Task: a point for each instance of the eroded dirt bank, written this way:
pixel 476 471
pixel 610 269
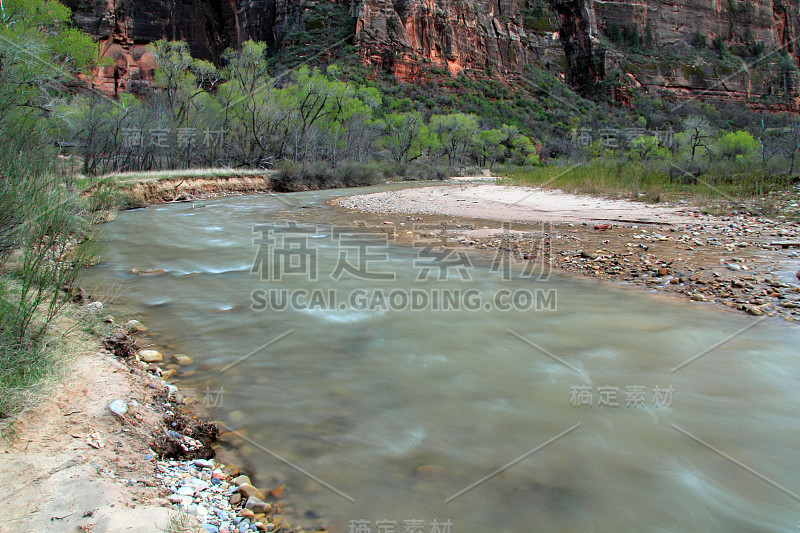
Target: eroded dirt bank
pixel 744 262
pixel 176 189
pixel 117 448
pixel 158 191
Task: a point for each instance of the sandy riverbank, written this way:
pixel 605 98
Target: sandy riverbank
pixel 515 204
pixel 71 463
pixel 728 259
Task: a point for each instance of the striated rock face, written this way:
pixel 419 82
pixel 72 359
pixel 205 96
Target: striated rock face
pixel 676 21
pixel 497 38
pixel 479 37
pixel 578 34
pixel 673 24
pixel 123 29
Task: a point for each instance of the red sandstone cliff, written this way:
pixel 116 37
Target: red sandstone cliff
pixel 482 38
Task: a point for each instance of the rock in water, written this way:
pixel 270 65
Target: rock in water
pixel 134 326
pixel 150 356
pixel 755 310
pixel 249 491
pixel 798 274
pixel 231 470
pixel 118 407
pixel 182 359
pixel 257 505
pixel 240 480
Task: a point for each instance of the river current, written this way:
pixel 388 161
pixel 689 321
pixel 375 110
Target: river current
pixel 406 388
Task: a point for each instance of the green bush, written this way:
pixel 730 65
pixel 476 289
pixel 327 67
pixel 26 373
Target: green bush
pixel 699 40
pixel 738 144
pixel 292 177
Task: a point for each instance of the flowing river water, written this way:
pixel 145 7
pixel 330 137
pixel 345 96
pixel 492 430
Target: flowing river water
pixel 598 408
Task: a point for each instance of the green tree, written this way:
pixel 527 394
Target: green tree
pixel 180 76
pixel 39 54
pixel 648 148
pixel 454 133
pixel 491 145
pixel 405 136
pixel 737 145
pixel 248 104
pixel 521 149
pixel 43 227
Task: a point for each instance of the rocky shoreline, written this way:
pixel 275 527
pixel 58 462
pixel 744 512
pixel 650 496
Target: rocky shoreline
pixel 120 448
pixel 218 496
pixel 744 262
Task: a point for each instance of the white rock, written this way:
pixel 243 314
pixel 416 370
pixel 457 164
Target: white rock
pixel 204 463
pixel 186 490
pixel 118 407
pixel 93 307
pixel 198 484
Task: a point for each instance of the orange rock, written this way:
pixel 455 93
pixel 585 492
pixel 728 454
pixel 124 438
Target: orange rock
pixel 277 492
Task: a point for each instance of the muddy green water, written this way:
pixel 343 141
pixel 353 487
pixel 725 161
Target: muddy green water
pixel 401 410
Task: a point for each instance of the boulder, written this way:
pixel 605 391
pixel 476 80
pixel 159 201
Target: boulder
pixel 134 326
pixel 118 407
pixel 94 307
pixel 150 356
pixel 257 505
pixel 240 480
pixel 248 491
pixel 182 359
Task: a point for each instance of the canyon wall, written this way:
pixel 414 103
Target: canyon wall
pixel 729 26
pixel 578 39
pixel 479 37
pixel 123 28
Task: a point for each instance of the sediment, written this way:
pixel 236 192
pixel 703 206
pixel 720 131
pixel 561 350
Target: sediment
pixel 742 261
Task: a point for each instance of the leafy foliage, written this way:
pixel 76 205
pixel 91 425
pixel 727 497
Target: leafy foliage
pixel 44 234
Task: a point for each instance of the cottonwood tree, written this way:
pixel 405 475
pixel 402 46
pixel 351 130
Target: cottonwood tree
pixel 736 145
pixel 349 132
pixel 405 136
pixel 249 105
pixel 454 133
pixel 311 99
pixel 698 134
pixel 491 146
pixel 521 149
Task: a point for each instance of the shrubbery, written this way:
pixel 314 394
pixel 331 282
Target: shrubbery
pixel 44 230
pixel 293 177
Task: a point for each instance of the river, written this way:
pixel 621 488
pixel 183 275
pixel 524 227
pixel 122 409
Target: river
pixel 389 391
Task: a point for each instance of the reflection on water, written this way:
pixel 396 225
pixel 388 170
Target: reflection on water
pixel 402 410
